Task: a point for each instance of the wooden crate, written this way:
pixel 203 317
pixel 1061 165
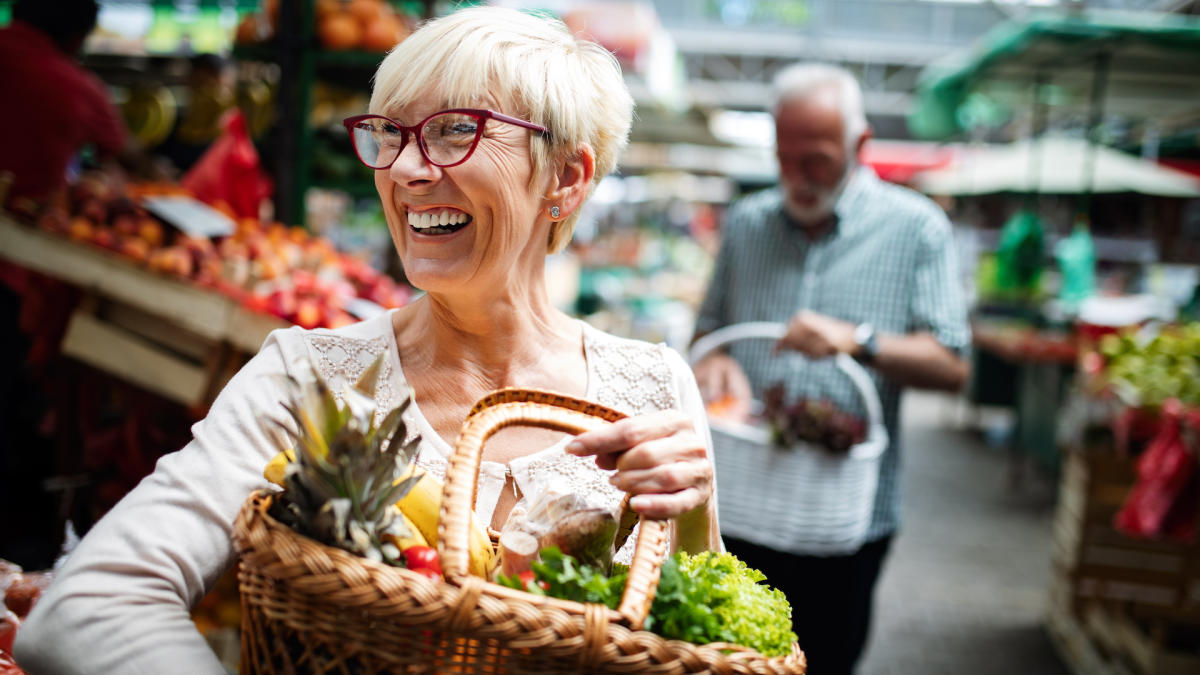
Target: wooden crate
pixel 1146 578
pixel 165 335
pixel 1100 639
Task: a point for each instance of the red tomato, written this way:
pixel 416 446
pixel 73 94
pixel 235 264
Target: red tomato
pixel 422 557
pixel 431 574
pixel 528 578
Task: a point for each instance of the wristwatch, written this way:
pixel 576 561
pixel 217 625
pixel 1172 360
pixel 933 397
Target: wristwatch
pixel 867 343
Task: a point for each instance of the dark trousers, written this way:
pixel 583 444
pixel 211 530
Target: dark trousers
pixel 830 596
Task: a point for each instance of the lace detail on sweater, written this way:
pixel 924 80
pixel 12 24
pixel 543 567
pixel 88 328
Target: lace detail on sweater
pixel 634 378
pixel 433 464
pixel 342 360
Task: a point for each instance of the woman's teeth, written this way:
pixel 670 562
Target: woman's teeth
pixel 438 222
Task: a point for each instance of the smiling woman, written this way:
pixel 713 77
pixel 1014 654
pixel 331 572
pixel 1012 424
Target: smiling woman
pixel 514 122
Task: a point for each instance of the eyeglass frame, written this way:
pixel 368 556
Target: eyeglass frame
pixel 482 114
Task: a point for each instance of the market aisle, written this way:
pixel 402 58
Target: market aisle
pixel 964 588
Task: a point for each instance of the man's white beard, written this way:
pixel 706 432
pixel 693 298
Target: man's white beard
pixel 812 215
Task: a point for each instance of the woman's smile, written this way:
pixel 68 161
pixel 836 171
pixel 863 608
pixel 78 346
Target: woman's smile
pixel 438 221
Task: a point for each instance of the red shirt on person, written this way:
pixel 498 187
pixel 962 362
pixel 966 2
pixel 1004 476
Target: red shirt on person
pixel 52 108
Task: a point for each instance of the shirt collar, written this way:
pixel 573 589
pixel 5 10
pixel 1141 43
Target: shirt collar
pixel 860 181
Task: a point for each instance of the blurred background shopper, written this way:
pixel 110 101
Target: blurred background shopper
pixel 851 265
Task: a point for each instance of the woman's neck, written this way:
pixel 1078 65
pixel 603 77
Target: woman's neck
pixel 501 341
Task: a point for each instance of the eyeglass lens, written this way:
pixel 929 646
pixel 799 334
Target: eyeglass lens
pixel 446 138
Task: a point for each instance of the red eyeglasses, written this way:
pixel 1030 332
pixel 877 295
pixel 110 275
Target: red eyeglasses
pixel 445 138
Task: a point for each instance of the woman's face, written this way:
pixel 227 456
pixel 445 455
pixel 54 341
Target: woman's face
pixel 469 227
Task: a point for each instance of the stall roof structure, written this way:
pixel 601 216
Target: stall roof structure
pixel 1146 66
pixel 1053 166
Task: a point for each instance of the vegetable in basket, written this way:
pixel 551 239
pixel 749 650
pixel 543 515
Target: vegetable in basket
pixel 704 598
pixel 812 420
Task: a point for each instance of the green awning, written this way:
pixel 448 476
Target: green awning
pixel 1153 68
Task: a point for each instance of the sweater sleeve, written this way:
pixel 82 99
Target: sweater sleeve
pixel 121 603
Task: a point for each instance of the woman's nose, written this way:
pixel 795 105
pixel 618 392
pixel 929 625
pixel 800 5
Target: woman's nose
pixel 411 166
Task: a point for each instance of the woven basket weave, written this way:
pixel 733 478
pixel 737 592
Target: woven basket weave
pixel 801 498
pixel 311 608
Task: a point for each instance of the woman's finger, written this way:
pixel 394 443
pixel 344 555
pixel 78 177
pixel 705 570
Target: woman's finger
pixel 628 433
pixel 667 505
pixel 666 478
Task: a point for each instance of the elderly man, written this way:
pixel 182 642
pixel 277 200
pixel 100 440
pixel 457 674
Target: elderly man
pixel 851 265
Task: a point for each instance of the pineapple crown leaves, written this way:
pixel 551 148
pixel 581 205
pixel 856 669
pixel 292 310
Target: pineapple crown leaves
pixel 341 487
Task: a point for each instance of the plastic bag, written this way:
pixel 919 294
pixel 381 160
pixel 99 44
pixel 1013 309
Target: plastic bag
pixel 565 520
pixel 1076 257
pixel 1019 256
pixel 1163 501
pixel 229 171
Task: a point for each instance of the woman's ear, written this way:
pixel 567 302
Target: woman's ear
pixel 572 181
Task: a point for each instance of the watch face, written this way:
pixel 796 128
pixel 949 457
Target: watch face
pixel 864 336
pixel 863 333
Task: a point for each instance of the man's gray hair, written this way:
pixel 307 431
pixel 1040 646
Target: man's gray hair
pixel 801 80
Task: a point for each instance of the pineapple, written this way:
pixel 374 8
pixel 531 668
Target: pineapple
pixel 343 485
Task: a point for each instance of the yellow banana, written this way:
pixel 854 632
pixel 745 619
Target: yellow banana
pixel 415 539
pixel 275 467
pixel 422 506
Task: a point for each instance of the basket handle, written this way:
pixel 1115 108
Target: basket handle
pixel 529 407
pixel 770 330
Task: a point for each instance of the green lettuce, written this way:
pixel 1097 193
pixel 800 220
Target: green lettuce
pixel 714 597
pixel 708 597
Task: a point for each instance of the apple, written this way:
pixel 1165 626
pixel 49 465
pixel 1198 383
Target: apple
pixel 308 313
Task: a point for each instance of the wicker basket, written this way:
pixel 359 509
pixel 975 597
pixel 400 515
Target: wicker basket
pixel 311 608
pixel 803 498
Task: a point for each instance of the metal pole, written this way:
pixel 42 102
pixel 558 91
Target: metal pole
pixel 1037 126
pixel 1095 121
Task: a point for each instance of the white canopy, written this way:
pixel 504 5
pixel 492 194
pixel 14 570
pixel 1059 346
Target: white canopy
pixel 1060 166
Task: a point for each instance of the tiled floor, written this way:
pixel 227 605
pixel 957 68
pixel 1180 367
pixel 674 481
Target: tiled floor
pixel 964 588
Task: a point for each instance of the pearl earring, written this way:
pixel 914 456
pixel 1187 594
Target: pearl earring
pixel 554 211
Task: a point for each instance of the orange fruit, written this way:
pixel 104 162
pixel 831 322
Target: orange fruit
pixel 339 31
pixel 382 34
pixel 368 11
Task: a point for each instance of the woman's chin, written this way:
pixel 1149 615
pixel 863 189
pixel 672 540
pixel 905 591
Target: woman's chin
pixel 436 278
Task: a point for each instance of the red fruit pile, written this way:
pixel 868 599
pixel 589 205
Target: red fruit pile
pixel 268 267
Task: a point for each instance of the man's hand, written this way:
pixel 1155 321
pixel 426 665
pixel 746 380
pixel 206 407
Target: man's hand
pixel 724 384
pixel 818 336
pixel 912 360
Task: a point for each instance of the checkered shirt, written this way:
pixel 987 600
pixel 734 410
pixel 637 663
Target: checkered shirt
pixel 889 261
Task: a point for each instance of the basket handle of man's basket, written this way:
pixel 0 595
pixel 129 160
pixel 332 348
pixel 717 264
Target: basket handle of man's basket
pixel 527 407
pixel 769 330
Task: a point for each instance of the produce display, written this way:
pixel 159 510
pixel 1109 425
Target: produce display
pixel 1149 378
pixel 1146 369
pixel 370 25
pixel 267 267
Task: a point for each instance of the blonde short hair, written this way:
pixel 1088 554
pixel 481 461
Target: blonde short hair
pixel 535 69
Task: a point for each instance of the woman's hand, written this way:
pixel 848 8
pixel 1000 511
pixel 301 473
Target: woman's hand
pixel 660 461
